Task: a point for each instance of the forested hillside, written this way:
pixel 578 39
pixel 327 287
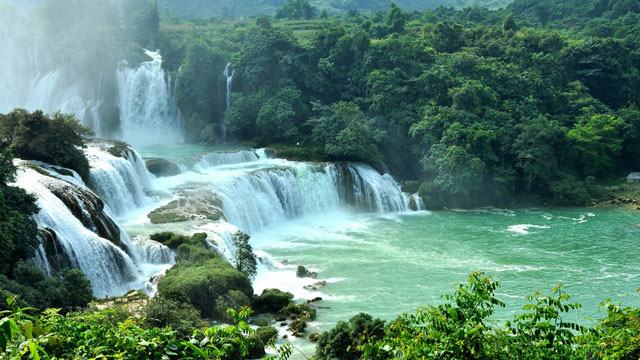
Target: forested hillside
pixel 483 113
pixel 234 9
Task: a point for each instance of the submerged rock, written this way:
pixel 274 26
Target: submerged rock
pixel 315 286
pixel 193 203
pixel 162 167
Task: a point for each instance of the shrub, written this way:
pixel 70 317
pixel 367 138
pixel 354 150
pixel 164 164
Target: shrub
pixel 342 341
pixel 267 334
pixel 162 312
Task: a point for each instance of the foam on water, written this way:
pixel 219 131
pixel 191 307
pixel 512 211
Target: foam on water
pixel 523 229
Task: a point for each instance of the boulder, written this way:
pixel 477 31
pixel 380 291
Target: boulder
pixel 162 167
pixel 313 337
pixel 302 272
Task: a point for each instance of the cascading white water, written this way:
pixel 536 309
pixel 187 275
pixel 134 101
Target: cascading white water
pixel 229 72
pixel 120 182
pixel 226 158
pixel 148 112
pixel 375 192
pixel 152 252
pixel 417 200
pixel 110 269
pixel 263 197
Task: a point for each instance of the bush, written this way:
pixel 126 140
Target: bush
pixel 342 341
pixel 162 312
pixel 69 291
pixel 267 334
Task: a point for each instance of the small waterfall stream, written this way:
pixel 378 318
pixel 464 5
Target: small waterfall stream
pixel 229 72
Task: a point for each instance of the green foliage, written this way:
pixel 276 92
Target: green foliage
pixel 18 231
pixel 56 140
pixel 344 340
pixel 95 335
pixel 68 291
pixel 479 105
pixel 163 312
pixel 596 141
pixel 343 128
pixel 296 9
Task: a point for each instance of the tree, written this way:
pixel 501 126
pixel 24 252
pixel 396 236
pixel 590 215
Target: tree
pixel 244 258
pixel 396 19
pixel 77 288
pixel 56 139
pixel 536 147
pixel 344 131
pixel 596 142
pixel 297 10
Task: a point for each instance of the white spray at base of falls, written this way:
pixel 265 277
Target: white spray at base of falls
pixel 110 269
pixel 148 112
pixel 229 72
pixel 120 182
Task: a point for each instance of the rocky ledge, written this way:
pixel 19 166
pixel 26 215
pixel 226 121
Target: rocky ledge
pixel 193 203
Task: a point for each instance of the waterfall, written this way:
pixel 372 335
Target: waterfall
pixel 110 269
pixel 152 252
pixel 263 197
pixel 120 181
pixel 229 72
pixel 148 112
pixel 416 202
pixel 226 158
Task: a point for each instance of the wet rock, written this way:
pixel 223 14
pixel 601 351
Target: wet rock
pixel 315 286
pixel 302 272
pixel 162 167
pixel 88 208
pixel 313 337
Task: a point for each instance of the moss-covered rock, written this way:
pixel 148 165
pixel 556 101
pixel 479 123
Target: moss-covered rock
pixel 173 240
pixel 207 284
pixel 271 300
pixel 298 327
pixel 192 204
pixel 118 148
pixel 162 167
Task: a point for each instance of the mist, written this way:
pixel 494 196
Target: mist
pixel 70 56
